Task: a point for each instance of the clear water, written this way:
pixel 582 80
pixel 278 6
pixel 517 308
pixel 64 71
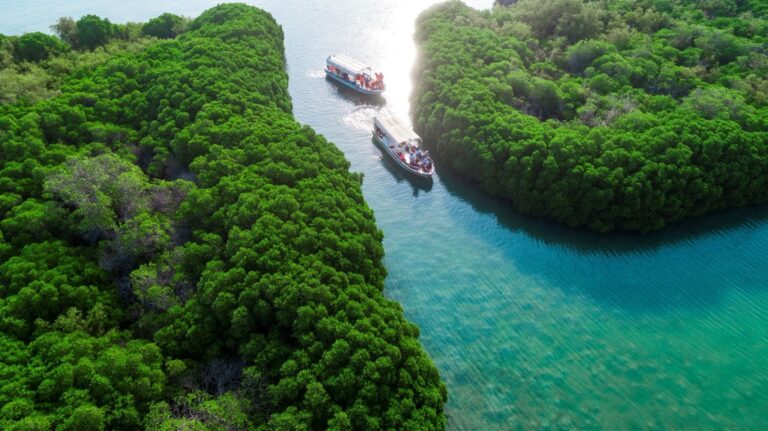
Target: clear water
pixel 533 326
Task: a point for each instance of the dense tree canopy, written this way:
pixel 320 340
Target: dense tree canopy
pixel 608 114
pixel 38 46
pixel 166 26
pixel 33 66
pixel 93 31
pixel 178 252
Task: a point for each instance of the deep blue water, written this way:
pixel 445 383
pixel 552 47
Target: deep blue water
pixel 532 325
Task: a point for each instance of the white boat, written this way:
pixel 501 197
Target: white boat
pixel 354 74
pixel 403 145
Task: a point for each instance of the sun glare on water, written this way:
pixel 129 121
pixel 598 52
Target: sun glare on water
pixel 393 35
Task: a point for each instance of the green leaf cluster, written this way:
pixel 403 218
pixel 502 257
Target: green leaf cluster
pixel 38 46
pixel 166 26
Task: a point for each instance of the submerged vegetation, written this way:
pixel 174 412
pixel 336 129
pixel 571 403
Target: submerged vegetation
pixel 608 114
pixel 179 253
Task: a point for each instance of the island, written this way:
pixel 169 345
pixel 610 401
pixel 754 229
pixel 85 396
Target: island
pixel 177 252
pixel 622 115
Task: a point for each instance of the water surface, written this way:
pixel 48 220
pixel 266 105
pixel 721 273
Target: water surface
pixel 532 325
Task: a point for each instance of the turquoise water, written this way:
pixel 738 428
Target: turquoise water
pixel 533 326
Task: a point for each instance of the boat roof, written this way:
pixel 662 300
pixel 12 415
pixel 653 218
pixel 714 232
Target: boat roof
pixel 396 129
pixel 348 64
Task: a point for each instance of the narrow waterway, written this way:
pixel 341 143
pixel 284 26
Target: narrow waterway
pixel 532 325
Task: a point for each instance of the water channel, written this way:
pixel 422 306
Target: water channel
pixel 532 325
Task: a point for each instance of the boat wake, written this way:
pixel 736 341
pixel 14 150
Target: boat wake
pixel 315 73
pixel 360 118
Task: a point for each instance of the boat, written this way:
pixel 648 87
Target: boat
pixel 354 74
pixel 403 145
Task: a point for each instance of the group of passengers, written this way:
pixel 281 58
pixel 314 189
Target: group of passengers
pixel 418 159
pixel 365 81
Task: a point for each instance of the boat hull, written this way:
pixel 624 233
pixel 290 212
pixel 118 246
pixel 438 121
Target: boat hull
pixel 400 163
pixel 352 85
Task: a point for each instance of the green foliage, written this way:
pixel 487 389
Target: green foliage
pixel 33 66
pixel 579 57
pixel 30 84
pixel 87 382
pixel 166 26
pixel 178 252
pixel 37 46
pixel 66 29
pixel 611 115
pixel 85 418
pixel 573 20
pixel 93 31
pixel 40 284
pixel 200 411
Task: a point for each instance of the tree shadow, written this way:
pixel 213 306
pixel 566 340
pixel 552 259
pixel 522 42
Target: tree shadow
pixel 589 241
pixel 688 265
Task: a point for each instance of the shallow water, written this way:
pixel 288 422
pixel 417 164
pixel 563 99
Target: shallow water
pixel 533 325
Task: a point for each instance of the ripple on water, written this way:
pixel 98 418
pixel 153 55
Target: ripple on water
pixel 360 117
pixel 315 73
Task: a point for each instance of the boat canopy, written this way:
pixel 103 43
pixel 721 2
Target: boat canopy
pixel 348 64
pixel 396 130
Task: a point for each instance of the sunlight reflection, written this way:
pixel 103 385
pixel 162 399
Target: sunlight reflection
pixel 398 51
